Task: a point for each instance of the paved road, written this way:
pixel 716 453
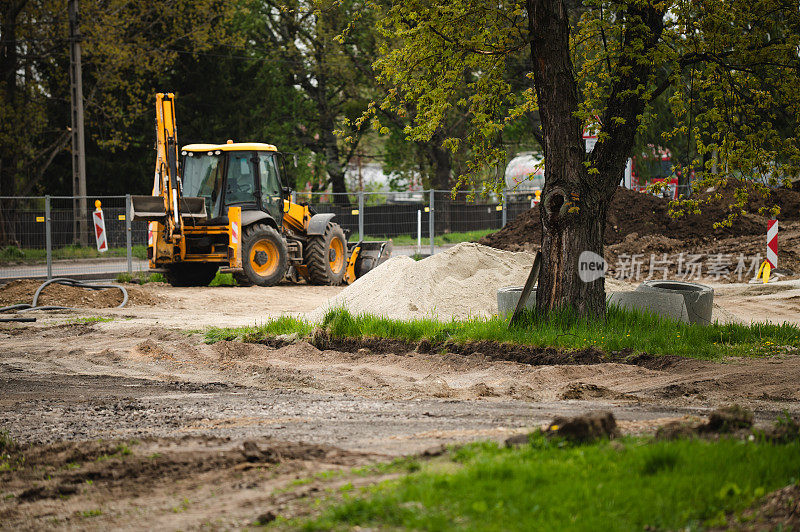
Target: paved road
pixel 91 268
pixel 109 268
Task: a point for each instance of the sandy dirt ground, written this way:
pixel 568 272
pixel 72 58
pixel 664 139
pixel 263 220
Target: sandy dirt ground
pixel 776 302
pixel 137 423
pixel 199 307
pixel 222 306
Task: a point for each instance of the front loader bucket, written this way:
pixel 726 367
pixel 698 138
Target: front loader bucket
pixel 372 254
pixel 194 209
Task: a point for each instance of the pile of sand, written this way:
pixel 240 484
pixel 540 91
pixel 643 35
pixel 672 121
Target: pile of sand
pixel 456 283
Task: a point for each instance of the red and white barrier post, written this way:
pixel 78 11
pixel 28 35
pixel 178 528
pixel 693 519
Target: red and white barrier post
pixel 772 252
pixel 772 243
pixel 99 228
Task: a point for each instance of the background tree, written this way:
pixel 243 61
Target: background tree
pixel 603 62
pixel 300 37
pixel 128 48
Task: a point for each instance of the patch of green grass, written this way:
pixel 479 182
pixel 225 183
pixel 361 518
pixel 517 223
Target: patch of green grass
pixel 11 253
pixel 7 447
pixel 91 319
pixel 119 451
pixel 141 278
pixel 621 330
pixel 92 513
pixel 124 277
pixel 6 441
pixel 549 485
pixel 183 506
pixel 123 449
pixel 439 240
pixel 35 255
pixel 256 333
pixel 223 279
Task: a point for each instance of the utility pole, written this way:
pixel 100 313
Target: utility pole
pixel 79 226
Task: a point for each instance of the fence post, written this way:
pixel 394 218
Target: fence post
pixel 430 219
pixel 419 231
pixel 505 207
pixel 48 237
pixel 361 215
pixel 128 233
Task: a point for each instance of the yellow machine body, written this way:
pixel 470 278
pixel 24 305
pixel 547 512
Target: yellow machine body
pixel 186 240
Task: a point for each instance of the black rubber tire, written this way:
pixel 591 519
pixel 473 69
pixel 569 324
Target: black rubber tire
pixel 184 274
pixel 317 256
pixel 263 235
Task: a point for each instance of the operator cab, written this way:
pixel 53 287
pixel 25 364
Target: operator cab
pixel 247 175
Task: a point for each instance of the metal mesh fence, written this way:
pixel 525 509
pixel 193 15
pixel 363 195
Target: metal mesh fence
pixel 55 237
pixel 70 250
pixel 22 221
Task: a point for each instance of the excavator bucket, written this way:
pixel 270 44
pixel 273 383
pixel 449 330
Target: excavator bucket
pixel 151 209
pixel 147 208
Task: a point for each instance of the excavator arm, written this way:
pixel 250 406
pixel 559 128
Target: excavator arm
pixel 167 182
pixel 167 209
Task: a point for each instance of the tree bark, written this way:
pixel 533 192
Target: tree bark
pixel 574 200
pixel 572 213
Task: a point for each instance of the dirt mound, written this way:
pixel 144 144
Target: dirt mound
pixel 22 291
pixel 644 214
pixel 70 482
pixel 736 421
pixel 657 244
pixel 778 510
pixel 587 427
pixel 787 199
pixel 485 349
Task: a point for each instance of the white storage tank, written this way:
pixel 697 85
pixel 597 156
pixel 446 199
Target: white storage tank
pixel 525 173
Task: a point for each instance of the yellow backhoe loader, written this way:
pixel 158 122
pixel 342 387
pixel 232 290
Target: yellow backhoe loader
pixel 228 206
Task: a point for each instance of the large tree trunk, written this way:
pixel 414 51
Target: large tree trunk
pixel 573 215
pixel 575 201
pixel 439 157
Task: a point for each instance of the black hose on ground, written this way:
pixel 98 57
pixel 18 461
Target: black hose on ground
pixel 24 307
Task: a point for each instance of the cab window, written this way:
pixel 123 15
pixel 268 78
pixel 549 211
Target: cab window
pixel 270 183
pixel 201 177
pixel 241 179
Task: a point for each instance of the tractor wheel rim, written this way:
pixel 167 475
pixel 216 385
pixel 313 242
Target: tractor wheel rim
pixel 336 255
pixel 258 251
